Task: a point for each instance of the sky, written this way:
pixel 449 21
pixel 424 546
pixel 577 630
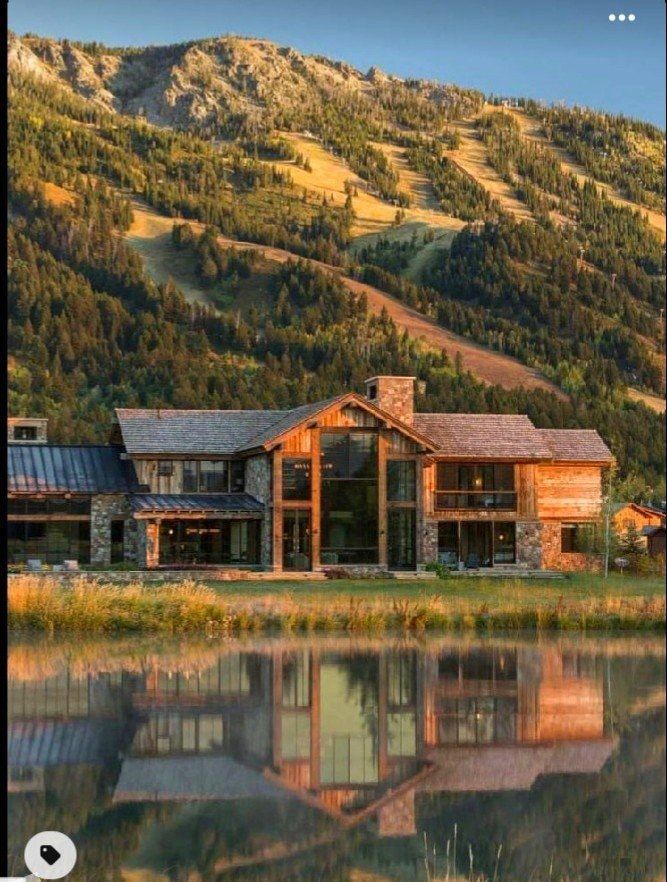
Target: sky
pixel 552 50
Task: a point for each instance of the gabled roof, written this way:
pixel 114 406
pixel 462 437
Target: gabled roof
pixel 228 432
pixel 68 468
pixel 576 445
pixel 645 510
pixel 483 436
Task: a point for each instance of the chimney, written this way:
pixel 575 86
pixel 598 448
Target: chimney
pixel 396 395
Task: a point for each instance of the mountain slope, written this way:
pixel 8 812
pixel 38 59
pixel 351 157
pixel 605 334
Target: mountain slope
pixel 362 177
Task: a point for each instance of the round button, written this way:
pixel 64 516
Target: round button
pixel 50 855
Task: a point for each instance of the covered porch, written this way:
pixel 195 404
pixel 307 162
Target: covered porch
pixel 200 530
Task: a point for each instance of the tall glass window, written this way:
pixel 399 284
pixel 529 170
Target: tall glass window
pixel 296 479
pixel 213 476
pixel 349 520
pixel 401 480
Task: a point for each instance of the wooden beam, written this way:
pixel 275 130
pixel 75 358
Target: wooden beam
pixel 316 499
pixel 277 509
pixel 382 498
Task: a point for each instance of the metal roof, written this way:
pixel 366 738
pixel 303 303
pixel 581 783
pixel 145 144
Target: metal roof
pixel 56 742
pixel 195 502
pixel 65 468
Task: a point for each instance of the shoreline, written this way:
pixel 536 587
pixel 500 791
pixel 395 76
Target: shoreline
pixel 99 607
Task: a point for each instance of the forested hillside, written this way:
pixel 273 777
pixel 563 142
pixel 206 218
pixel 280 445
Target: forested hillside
pixel 218 133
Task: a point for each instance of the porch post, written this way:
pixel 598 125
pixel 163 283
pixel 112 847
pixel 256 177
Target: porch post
pixel 153 543
pixel 315 498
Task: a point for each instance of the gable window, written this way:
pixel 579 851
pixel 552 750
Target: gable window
pixel 296 479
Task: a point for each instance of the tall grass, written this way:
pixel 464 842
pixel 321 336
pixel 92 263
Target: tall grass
pixel 39 603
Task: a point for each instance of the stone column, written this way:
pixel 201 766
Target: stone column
pixel 152 543
pixel 103 509
pixel 429 539
pixel 529 544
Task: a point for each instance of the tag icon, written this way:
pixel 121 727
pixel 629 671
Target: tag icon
pixel 49 854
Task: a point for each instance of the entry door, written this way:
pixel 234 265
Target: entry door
pixel 296 539
pixel 476 545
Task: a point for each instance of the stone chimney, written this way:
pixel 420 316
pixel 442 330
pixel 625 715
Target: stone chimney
pixel 396 395
pixel 27 429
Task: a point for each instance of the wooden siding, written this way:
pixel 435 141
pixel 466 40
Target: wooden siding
pixel 569 492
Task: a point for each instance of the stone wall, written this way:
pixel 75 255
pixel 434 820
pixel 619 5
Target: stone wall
pixel 104 509
pixel 529 544
pixel 572 562
pixel 429 540
pixel 258 484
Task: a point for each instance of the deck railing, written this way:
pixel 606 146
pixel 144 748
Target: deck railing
pixel 488 500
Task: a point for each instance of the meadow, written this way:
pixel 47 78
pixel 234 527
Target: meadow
pixel 102 606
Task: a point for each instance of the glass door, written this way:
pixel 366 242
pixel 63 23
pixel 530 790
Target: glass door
pixel 401 544
pixel 476 546
pixel 296 539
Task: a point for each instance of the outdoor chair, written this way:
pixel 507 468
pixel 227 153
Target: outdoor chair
pixel 34 566
pixel 472 562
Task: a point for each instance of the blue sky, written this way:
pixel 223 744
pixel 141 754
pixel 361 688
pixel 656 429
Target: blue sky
pixel 547 49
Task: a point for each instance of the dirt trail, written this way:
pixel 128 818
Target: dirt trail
pixel 530 129
pixel 151 230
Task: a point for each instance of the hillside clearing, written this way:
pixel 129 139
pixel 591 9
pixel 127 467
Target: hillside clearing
pixel 653 401
pixel 530 129
pixel 471 158
pixel 150 234
pixel 329 176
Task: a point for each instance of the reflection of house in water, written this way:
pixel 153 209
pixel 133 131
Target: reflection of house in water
pixel 353 736
pixel 61 727
pixel 359 735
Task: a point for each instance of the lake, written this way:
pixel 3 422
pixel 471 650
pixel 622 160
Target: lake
pixel 525 759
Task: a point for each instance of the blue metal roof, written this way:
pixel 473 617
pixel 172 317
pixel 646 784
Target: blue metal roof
pixel 195 502
pixel 68 468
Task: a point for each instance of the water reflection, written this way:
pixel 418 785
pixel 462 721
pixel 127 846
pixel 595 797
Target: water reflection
pixel 249 758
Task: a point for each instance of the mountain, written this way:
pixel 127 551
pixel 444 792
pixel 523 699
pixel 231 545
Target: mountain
pixel 328 223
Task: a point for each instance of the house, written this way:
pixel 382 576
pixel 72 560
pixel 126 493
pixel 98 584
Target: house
pixel 627 515
pixel 356 481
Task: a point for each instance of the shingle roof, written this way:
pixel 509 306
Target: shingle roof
pixel 576 445
pixel 64 468
pixel 209 502
pixel 201 432
pixel 483 436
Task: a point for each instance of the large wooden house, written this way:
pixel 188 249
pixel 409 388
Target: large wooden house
pixel 356 481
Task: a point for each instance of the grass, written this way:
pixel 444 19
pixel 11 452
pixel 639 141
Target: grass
pixel 99 606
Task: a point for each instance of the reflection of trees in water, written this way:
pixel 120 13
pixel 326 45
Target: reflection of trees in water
pixel 596 828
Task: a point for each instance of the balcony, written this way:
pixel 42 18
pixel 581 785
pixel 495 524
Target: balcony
pixel 475 500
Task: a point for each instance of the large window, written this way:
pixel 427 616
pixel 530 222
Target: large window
pixel 401 480
pixel 49 541
pixel 25 433
pixel 476 543
pixel 296 479
pixel 349 520
pixel 213 476
pixel 209 542
pixel 578 538
pixel 51 505
pixel 475 485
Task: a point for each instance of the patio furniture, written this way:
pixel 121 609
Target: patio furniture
pixel 34 566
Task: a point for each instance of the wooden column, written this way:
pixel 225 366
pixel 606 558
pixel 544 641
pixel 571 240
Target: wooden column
pixel 152 543
pixel 382 498
pixel 525 483
pixel 383 747
pixel 277 499
pixel 419 512
pixel 277 704
pixel 316 499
